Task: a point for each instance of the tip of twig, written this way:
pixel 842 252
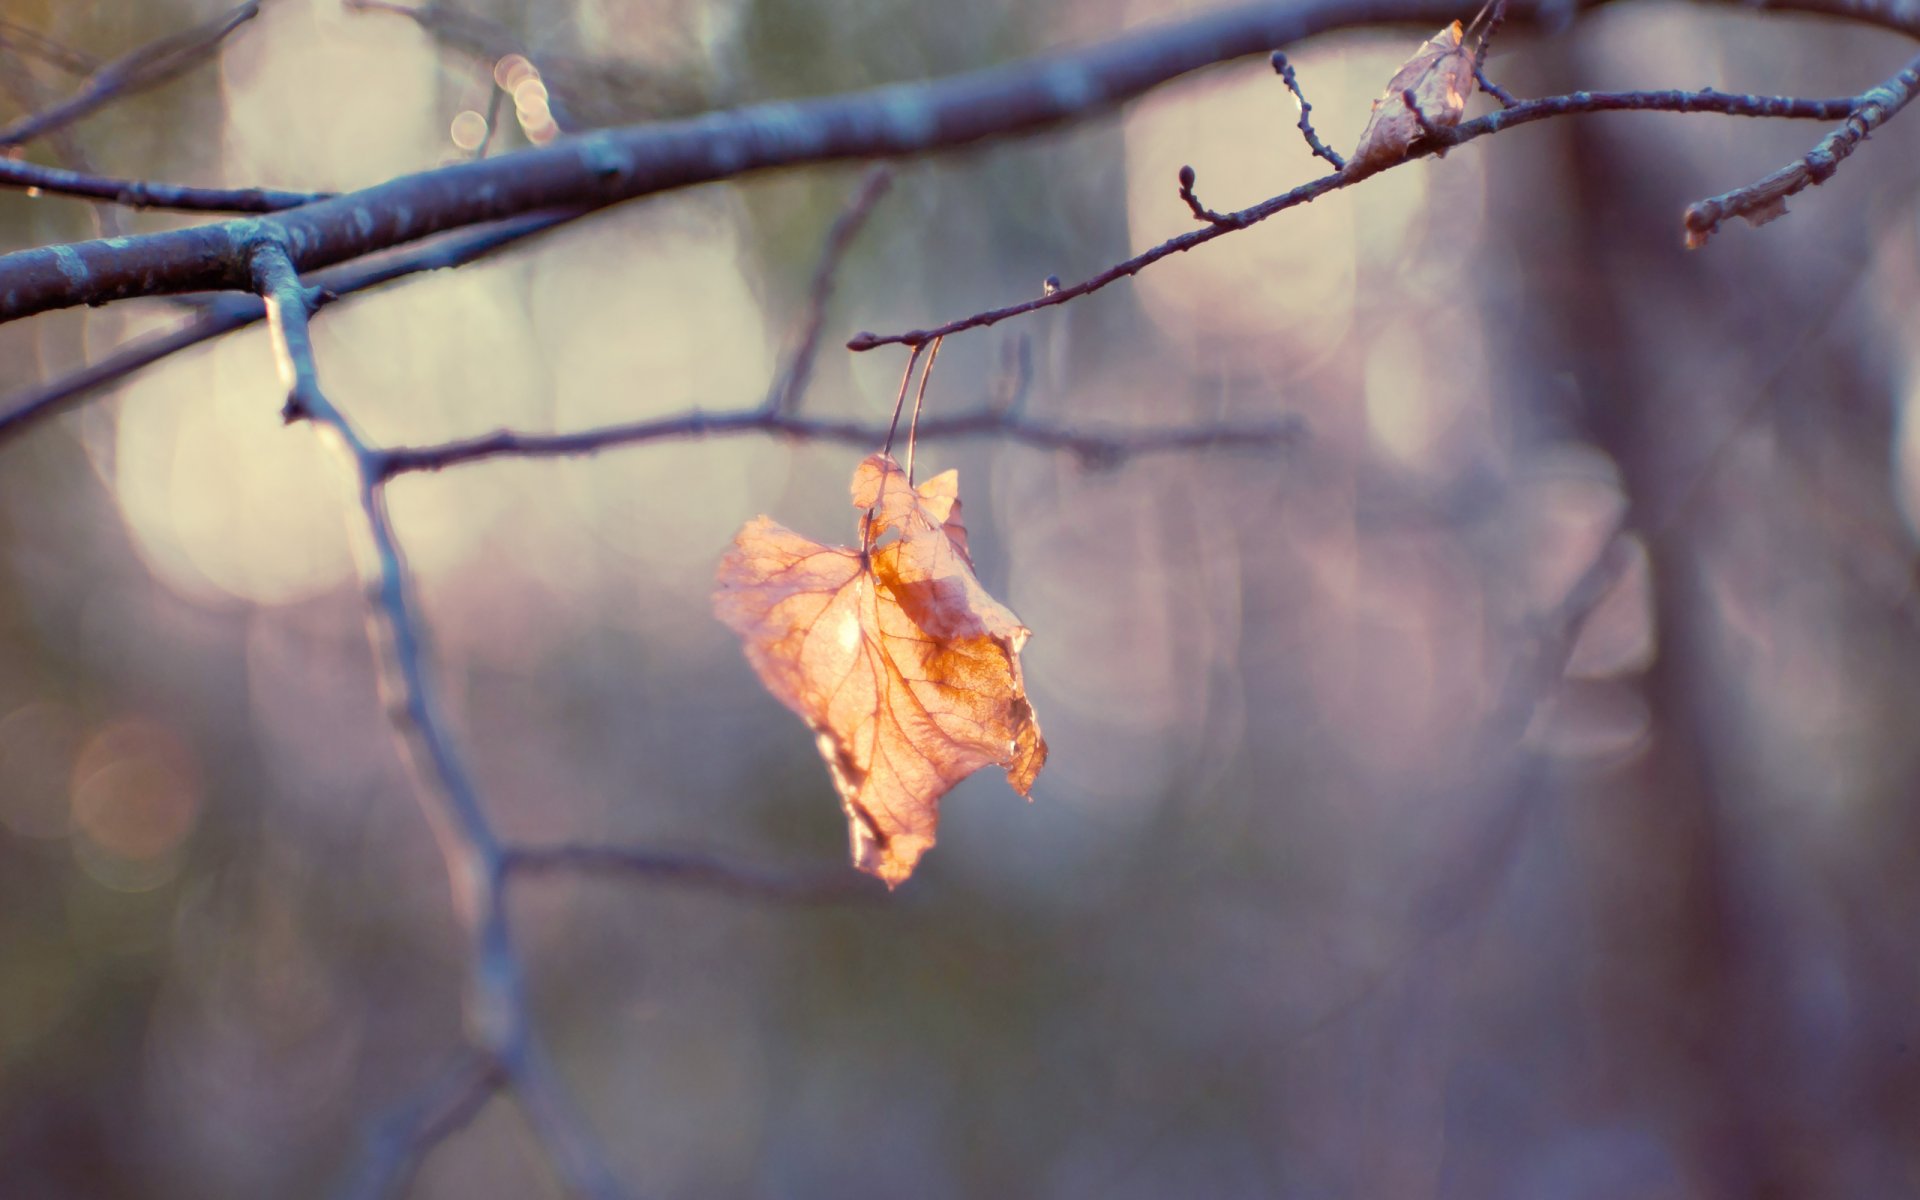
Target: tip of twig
pixel 1701 220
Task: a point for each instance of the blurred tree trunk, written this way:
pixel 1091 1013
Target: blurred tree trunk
pixel 1692 875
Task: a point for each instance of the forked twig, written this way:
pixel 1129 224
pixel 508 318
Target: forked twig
pixel 398 1142
pixel 1437 138
pixel 497 1015
pixel 1764 199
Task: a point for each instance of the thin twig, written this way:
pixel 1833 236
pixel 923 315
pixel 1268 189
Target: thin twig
pixel 1765 199
pixel 1094 447
pixel 25 91
pixel 1200 211
pixel 498 1019
pixel 1495 20
pixel 400 1141
pixel 21 410
pixel 560 1127
pixel 139 193
pixel 1493 89
pixel 1438 138
pixel 495 96
pixel 691 870
pixel 24 39
pixel 791 384
pixel 1284 69
pixel 148 66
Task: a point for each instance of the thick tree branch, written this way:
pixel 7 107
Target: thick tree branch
pixel 21 410
pixel 622 164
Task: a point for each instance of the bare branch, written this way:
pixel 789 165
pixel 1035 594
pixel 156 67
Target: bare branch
pixel 559 1126
pixel 400 1141
pixel 146 67
pixel 497 1013
pixel 137 193
pixel 1496 15
pixel 622 164
pixel 1093 447
pixel 1284 69
pixel 690 870
pixel 21 410
pixel 1436 139
pixel 791 384
pixel 455 805
pixel 1493 89
pixel 1765 199
pixel 615 165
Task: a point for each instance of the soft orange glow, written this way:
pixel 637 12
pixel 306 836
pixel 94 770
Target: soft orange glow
pixel 136 795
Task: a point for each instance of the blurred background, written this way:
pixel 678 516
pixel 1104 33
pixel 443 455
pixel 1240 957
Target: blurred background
pixel 1323 892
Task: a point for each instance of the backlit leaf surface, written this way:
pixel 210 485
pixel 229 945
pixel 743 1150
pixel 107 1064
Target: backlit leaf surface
pixel 907 671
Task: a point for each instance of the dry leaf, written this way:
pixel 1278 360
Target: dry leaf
pixel 1440 76
pixel 898 660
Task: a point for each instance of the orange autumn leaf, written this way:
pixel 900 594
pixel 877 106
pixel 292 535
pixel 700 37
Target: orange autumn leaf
pixel 907 671
pixel 1440 76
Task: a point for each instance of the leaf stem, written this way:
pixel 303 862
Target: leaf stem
pixel 919 401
